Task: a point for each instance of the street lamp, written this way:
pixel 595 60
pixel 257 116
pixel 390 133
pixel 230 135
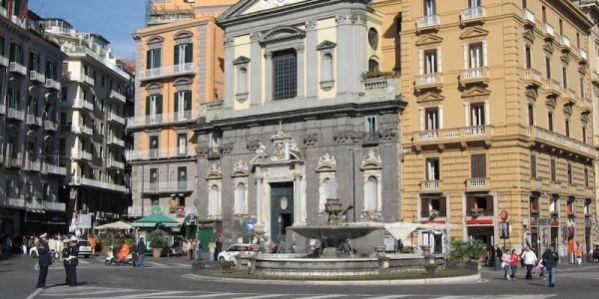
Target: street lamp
pixel 353 168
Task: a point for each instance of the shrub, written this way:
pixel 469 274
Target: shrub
pixel 463 250
pixel 158 239
pixel 431 268
pixel 226 265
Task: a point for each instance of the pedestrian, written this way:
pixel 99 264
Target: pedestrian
pixel 45 260
pixel 529 258
pixel 65 259
pixel 212 250
pixel 92 242
pixel 199 250
pixel 142 249
pixel 73 261
pixel 514 263
pixel 24 245
pixel 541 268
pixel 578 253
pixel 550 257
pixel 219 248
pixel 506 259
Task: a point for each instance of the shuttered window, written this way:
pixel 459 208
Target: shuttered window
pixel 478 166
pixel 183 53
pixel 153 58
pixel 533 166
pixel 553 171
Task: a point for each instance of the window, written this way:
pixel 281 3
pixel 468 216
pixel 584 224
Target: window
pixel 373 65
pixel 478 115
pixel 569 174
pixel 478 166
pixel 242 84
pixel 34 62
pixel 564 77
pixel 182 144
pixel 554 204
pixel 430 7
pixel 474 3
pixel 154 146
pixel 32 109
pixel 371 132
pixel 550 121
pixel 561 27
pixel 531 115
pixel 183 53
pixel 370 203
pixel 433 172
pixel 528 57
pixel 430 62
pixel 13 98
pixel 577 40
pixel 240 199
pixel 581 86
pixel 214 200
pixel 475 55
pixel 102 80
pixel 2 44
pixel 17 8
pixel 533 166
pixel 182 105
pixel 553 170
pixel 544 14
pixel 570 206
pixel 534 205
pixel 182 178
pixel 327 67
pixel 50 71
pixel 432 119
pixel 548 67
pixel 284 64
pixel 153 108
pixel 153 58
pixel 523 3
pixel 16 54
pixel 153 175
pixel 586 177
pixel 584 133
pixel 567 127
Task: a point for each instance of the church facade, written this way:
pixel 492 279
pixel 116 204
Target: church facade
pixel 306 116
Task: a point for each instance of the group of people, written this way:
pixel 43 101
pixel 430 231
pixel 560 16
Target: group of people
pixel 69 253
pixel 214 248
pixel 511 260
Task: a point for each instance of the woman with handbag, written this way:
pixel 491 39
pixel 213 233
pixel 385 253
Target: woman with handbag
pixel 506 260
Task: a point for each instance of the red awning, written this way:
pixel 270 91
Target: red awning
pixel 479 221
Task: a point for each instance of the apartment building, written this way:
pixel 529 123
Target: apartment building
pixel 179 67
pixel 503 130
pixel 92 123
pixel 30 83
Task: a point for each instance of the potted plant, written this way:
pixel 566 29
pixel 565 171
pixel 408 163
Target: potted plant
pixel 476 249
pixel 158 240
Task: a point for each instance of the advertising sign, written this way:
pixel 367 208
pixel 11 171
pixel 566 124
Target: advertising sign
pixel 85 221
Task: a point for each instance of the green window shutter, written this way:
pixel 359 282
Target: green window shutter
pixel 176 97
pixel 148 105
pixel 21 56
pixel 187 100
pixel 157 54
pixel 159 104
pixel 176 60
pixel 149 59
pixel 188 53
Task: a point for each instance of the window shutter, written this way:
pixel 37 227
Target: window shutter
pixel 439 67
pixel 159 104
pixel 470 203
pixel 442 204
pixel 424 205
pixel 421 61
pixel 21 55
pixel 478 166
pixel 176 100
pixel 176 60
pixel 188 53
pixel 148 105
pixel 149 59
pixel 533 166
pixel 187 100
pixel 157 55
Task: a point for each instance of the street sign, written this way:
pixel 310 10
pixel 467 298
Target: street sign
pixel 543 221
pixel 249 225
pixel 85 221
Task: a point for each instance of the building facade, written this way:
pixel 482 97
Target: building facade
pixel 298 124
pixel 30 176
pixel 505 126
pixel 179 66
pixel 92 124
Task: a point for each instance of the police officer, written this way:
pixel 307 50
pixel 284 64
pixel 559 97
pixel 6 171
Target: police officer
pixel 65 260
pixel 45 260
pixel 73 251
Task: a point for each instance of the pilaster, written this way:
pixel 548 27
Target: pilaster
pixel 256 70
pixel 312 57
pixel 229 72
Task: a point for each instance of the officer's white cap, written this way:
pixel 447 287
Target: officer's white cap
pixel 44 235
pixel 73 238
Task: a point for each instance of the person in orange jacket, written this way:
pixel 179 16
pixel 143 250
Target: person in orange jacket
pixel 123 252
pixel 578 254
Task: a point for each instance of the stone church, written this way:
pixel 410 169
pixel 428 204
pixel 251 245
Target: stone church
pixel 306 116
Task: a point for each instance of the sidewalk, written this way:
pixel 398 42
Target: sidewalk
pixel 564 267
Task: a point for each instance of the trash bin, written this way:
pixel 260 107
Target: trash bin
pixel 497 264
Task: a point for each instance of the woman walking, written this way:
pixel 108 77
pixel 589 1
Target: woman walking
pixel 506 258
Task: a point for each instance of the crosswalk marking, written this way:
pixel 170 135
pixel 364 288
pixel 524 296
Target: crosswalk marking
pixel 322 297
pixel 262 296
pixel 212 295
pixel 390 297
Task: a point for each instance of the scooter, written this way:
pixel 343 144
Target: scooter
pixel 175 251
pixel 112 259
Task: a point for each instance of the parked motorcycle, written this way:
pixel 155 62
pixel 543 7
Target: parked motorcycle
pixel 175 251
pixel 112 259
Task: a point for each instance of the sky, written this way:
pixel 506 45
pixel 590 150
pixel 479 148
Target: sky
pixel 115 20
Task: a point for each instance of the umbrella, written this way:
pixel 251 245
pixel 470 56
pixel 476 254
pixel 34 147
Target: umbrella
pixel 156 219
pixel 117 225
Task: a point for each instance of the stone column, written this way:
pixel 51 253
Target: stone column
pixel 422 119
pixel 440 124
pixel 297 212
pixel 256 59
pixel 229 72
pixel 259 194
pixel 312 60
pixel 487 112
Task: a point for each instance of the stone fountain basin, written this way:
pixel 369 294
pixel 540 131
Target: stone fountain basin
pixel 363 238
pixel 297 265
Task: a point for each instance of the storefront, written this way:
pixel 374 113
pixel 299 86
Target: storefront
pixel 10 221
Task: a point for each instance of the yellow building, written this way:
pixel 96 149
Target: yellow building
pixel 498 118
pixel 179 66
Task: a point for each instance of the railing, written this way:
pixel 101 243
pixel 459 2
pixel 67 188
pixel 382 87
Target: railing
pixel 154 20
pixel 106 61
pixel 528 15
pixel 34 120
pixel 37 76
pixel 32 165
pixel 185 115
pixel 117 96
pixel 430 185
pixel 167 71
pixel 473 13
pixel 115 164
pixel 532 74
pixel 15 162
pixel 431 214
pixel 50 125
pixel 17 68
pixel 80 103
pixel 477 182
pixel 79 129
pixel 3 60
pixel 559 140
pixel 474 73
pixel 565 41
pixel 173 152
pixel 428 21
pixel 20 22
pixel 77 180
pixel 165 187
pixel 582 54
pixel 16 114
pixel 480 212
pixel 450 134
pixel 51 83
pixel 548 30
pixel 2 11
pixel 115 140
pixel 82 78
pixel 586 103
pixel 62 31
pixel 428 79
pixel 55 206
pixel 571 94
pixel 554 85
pixel 116 118
pixel 474 131
pixel 81 155
pixel 54 169
pixel 218 105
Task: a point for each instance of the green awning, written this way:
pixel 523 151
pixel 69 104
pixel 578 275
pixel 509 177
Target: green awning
pixel 156 219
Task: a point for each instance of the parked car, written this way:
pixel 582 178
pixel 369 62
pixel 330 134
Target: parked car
pixel 85 248
pixel 231 252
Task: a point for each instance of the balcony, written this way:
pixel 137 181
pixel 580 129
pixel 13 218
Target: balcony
pixel 478 75
pixel 586 105
pixel 434 80
pixel 20 22
pixel 548 32
pixel 117 96
pixel 31 165
pixel 37 77
pixel 50 126
pixel 53 169
pixel 167 71
pixel 175 187
pixel 116 118
pixel 428 22
pixel 115 141
pixel 565 43
pixel 528 16
pixel 81 104
pixel 561 142
pixel 53 84
pixel 160 119
pixel 479 212
pixel 81 78
pixel 532 78
pixel 33 120
pixel 553 88
pixel 477 183
pixel 55 206
pixel 14 162
pixel 536 184
pixel 164 153
pixel 433 214
pixel 81 155
pixel 595 76
pixel 370 138
pixel 81 181
pixel 78 129
pixel 62 31
pixel 473 14
pixel 2 109
pixel 453 135
pixel 3 61
pixel 431 185
pixel 569 96
pixel 15 67
pixel 582 55
pixel 115 164
pixel 15 114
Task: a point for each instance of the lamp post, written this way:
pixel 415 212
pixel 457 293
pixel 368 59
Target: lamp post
pixel 353 169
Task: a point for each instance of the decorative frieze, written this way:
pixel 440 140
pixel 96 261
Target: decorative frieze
pixel 229 41
pixel 226 148
pixel 351 18
pixel 347 137
pixel 311 139
pixel 255 36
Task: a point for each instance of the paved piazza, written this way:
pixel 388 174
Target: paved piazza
pixel 170 278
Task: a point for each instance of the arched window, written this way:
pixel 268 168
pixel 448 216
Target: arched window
pixel 240 199
pixel 373 65
pixel 323 191
pixel 371 197
pixel 213 200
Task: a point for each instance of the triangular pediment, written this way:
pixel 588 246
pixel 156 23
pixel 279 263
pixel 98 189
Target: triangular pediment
pixel 241 60
pixel 429 39
pixel 475 91
pixel 565 57
pixel 474 32
pixel 552 102
pixel 529 35
pixel 430 96
pixel 326 45
pixel 567 109
pixel 531 93
pixel 250 7
pixel 548 46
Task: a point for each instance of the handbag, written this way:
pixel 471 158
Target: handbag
pixel 502 264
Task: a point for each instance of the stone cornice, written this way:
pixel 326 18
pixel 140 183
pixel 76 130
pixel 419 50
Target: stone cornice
pixel 578 14
pixel 165 28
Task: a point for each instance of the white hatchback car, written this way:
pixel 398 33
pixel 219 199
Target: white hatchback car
pixel 231 252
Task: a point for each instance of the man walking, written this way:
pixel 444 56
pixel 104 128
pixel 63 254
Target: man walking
pixel 141 249
pixel 550 257
pixel 45 260
pixel 530 259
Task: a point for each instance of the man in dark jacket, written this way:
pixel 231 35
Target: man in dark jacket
pixel 45 260
pixel 73 261
pixel 550 258
pixel 141 249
